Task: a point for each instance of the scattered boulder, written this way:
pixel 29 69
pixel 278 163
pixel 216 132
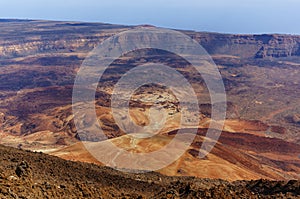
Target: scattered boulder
pixel 23 170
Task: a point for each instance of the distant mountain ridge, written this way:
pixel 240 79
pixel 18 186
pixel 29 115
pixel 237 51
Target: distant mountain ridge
pixel 52 36
pixel 250 46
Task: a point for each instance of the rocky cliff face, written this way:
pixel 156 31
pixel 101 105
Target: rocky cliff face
pixel 250 46
pixel 279 46
pixel 33 37
pixel 27 47
pixel 21 38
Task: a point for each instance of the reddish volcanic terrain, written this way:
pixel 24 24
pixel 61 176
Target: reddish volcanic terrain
pixel 260 139
pixel 236 156
pixel 25 174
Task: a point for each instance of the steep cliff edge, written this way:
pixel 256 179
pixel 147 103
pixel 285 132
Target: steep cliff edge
pixel 250 46
pixel 33 37
pixel 26 37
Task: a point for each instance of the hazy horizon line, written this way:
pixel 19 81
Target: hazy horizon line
pixel 159 26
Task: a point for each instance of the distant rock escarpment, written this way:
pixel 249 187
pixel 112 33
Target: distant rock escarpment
pixel 250 46
pixel 27 37
pixel 279 46
pixel 21 37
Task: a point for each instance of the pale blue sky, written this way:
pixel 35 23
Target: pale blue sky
pixel 231 16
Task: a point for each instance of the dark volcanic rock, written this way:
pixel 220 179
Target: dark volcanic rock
pixel 52 177
pixel 23 170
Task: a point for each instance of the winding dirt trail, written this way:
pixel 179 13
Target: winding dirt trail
pixel 272 114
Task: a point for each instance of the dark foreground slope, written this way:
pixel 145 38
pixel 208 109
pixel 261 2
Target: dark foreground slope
pixel 35 175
